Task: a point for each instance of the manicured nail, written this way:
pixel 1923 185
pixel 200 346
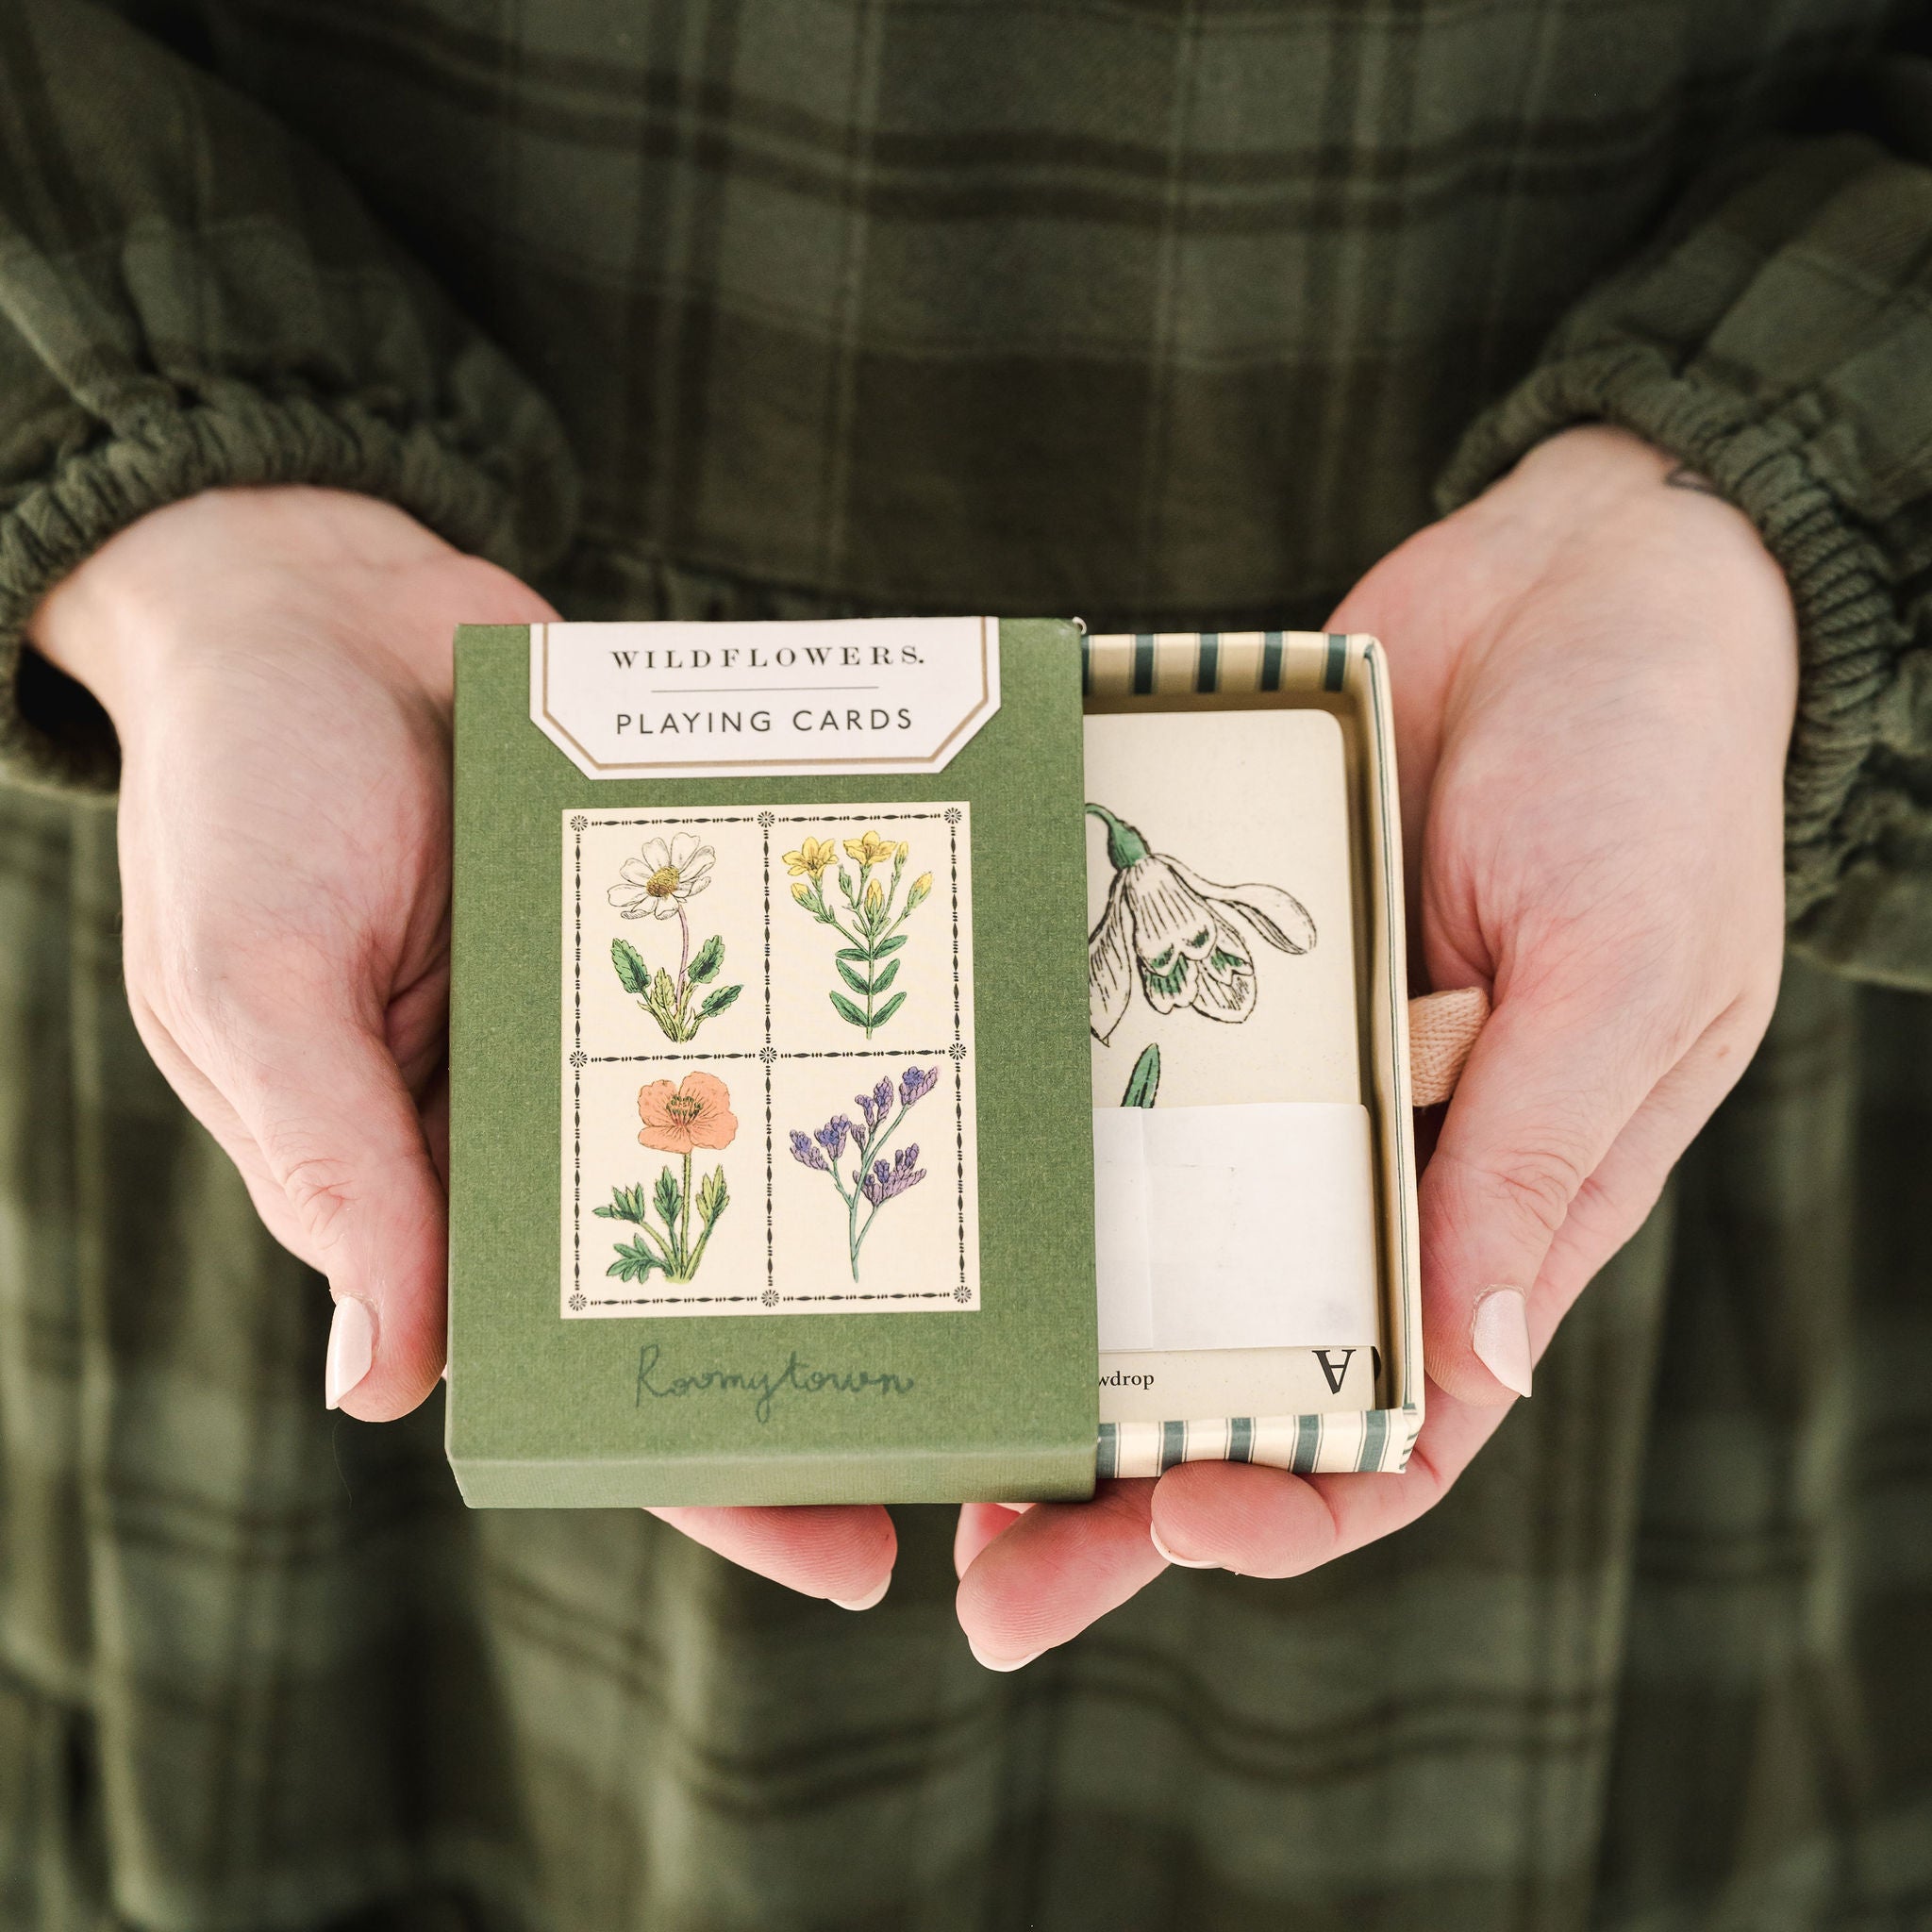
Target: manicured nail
pixel 1167 1556
pixel 870 1598
pixel 1500 1336
pixel 995 1663
pixel 351 1349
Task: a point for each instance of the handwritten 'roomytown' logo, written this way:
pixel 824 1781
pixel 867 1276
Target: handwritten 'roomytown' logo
pixel 762 1386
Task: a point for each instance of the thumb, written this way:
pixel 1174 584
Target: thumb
pixel 1546 1090
pixel 338 1135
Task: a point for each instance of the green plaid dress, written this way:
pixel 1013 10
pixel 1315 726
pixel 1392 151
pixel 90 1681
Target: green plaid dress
pixel 1169 313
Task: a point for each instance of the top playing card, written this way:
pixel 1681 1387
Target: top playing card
pixel 1218 878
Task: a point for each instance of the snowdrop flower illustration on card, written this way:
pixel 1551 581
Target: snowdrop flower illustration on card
pixel 657 885
pixel 1184 937
pixel 873 1181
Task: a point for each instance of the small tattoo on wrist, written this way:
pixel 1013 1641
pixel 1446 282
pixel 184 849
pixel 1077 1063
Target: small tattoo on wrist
pixel 1684 477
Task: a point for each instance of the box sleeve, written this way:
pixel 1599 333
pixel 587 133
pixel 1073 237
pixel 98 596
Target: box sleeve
pixel 192 297
pixel 1777 337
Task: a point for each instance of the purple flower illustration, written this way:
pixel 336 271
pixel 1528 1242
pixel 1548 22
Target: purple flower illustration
pixel 873 1179
pixel 875 1106
pixel 882 1183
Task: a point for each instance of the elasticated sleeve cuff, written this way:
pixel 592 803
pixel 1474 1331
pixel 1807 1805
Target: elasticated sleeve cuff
pixel 1778 341
pixel 50 736
pixel 192 298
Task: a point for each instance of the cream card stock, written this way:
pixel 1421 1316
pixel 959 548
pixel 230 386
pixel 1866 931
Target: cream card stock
pixel 1228 931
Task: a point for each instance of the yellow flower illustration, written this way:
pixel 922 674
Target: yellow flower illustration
pixel 866 911
pixel 813 856
pixel 872 849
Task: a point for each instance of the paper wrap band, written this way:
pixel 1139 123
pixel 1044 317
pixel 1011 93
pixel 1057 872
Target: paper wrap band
pixel 1241 1226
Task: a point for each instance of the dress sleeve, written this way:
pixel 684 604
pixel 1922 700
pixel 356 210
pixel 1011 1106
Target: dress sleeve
pixel 1777 337
pixel 191 297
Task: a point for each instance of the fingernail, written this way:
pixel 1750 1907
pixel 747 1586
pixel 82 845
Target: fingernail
pixel 1167 1556
pixel 351 1349
pixel 1500 1336
pixel 993 1664
pixel 870 1598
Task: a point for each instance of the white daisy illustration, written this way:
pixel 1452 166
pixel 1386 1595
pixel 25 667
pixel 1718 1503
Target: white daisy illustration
pixel 658 882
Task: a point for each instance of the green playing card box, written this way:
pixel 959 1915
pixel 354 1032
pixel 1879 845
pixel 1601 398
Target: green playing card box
pixel 771 1156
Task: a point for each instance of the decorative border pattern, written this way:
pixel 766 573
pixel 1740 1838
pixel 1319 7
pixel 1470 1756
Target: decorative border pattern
pixel 1342 1441
pixel 771 1298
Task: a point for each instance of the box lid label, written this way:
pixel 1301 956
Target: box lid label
pixel 851 696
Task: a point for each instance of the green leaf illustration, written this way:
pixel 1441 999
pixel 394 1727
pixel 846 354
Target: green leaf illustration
pixel 847 1010
pixel 1143 1083
pixel 858 953
pixel 635 1261
pixel 627 1203
pixel 887 977
pixel 886 1012
pixel 714 1197
pixel 663 992
pixel 667 1198
pixel 630 966
pixel 717 1000
pixel 855 980
pixel 711 957
pixel 890 945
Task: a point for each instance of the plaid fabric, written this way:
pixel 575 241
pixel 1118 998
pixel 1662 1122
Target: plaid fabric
pixel 1172 317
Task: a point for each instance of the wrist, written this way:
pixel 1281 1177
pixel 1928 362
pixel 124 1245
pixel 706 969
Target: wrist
pixel 1597 486
pixel 130 619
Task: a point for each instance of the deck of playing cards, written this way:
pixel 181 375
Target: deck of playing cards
pixel 860 1030
pixel 1254 1174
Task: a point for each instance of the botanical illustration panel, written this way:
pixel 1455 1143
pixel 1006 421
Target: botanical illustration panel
pixel 767 1077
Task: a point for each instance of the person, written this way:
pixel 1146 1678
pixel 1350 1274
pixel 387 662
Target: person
pixel 325 327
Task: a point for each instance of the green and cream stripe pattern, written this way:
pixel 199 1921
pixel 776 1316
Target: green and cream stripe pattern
pixel 1170 665
pixel 1376 1439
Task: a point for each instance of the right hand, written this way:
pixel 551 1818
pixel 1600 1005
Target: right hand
pixel 278 664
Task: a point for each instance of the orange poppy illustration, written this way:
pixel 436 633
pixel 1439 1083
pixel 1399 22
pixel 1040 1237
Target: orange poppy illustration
pixel 694 1113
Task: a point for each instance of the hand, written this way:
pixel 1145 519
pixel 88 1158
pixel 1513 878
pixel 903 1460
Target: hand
pixel 1594 668
pixel 278 664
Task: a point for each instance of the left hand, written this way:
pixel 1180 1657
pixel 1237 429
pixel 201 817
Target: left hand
pixel 278 666
pixel 1595 670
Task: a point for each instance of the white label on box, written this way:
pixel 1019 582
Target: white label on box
pixel 1238 1226
pixel 853 696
